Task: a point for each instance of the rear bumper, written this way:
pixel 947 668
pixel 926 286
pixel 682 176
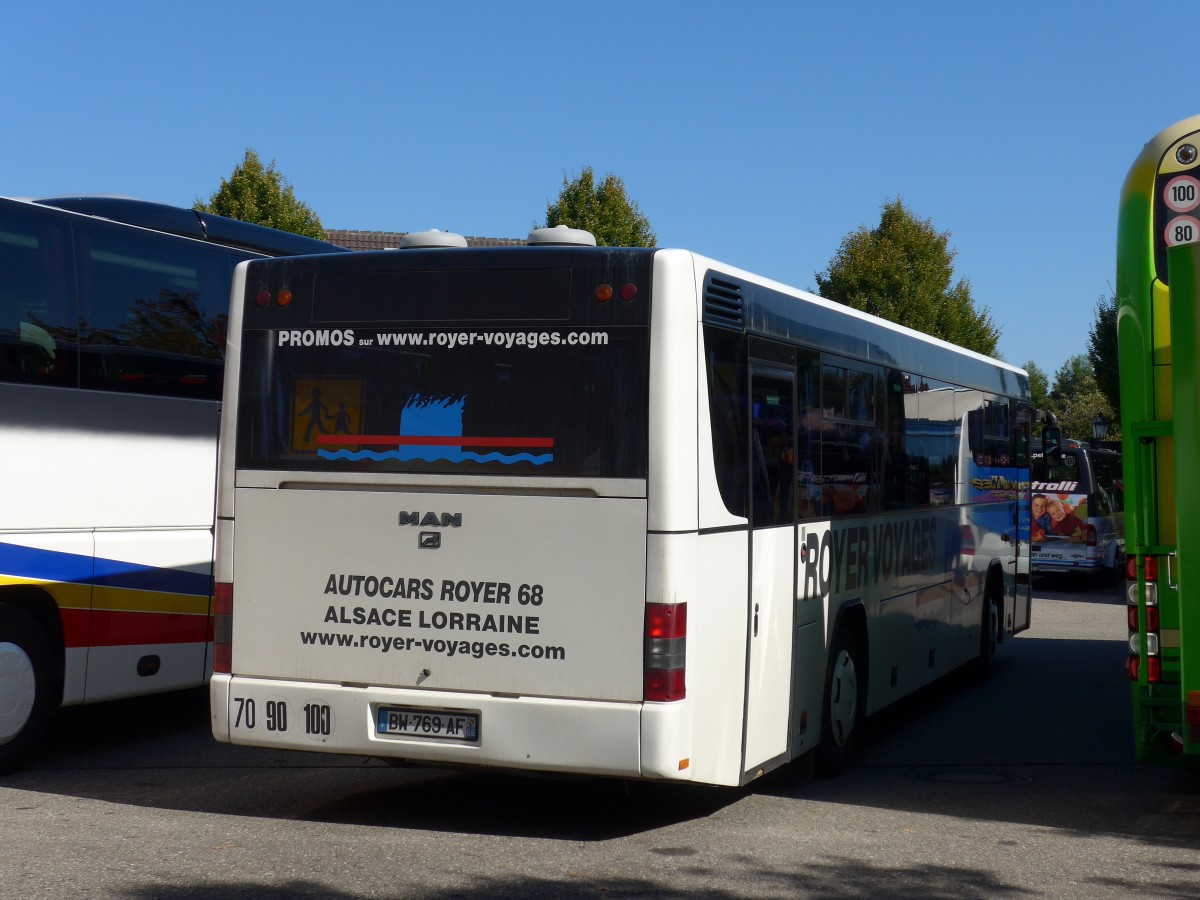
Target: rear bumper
pixel 529 733
pixel 1066 566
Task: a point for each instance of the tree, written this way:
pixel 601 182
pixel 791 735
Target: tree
pixel 1077 399
pixel 902 271
pixel 1039 386
pixel 262 196
pixel 604 210
pixel 1102 349
pixel 1074 377
pixel 1077 412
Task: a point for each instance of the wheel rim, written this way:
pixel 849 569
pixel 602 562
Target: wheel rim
pixel 18 689
pixel 843 698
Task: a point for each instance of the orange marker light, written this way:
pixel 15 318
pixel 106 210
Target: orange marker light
pixel 604 292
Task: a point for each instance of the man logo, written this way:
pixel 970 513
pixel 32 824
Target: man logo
pixel 430 520
pixel 429 540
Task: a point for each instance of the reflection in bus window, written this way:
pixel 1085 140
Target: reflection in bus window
pixel 809 499
pixel 937 422
pixel 774 454
pixel 152 312
pixel 867 438
pixel 726 393
pixel 38 325
pixel 848 465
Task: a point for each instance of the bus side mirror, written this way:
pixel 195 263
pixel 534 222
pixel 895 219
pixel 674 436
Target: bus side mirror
pixel 1052 444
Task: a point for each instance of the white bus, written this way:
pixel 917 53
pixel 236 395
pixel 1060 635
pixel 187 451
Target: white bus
pixel 623 512
pixel 112 334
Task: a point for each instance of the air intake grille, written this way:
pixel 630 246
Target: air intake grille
pixel 723 303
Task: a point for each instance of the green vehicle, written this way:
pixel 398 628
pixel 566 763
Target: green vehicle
pixel 1158 293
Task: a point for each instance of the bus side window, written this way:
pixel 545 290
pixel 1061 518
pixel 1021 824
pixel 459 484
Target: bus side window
pixel 851 439
pixel 1020 417
pixel 809 502
pixel 936 410
pixel 38 320
pixel 894 476
pixel 152 313
pixel 727 410
pixel 773 459
pixel 1106 486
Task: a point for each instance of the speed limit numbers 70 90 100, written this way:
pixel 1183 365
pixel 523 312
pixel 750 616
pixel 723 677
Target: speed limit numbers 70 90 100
pixel 273 715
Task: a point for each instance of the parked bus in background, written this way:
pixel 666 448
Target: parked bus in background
pixel 1077 511
pixel 112 334
pixel 578 509
pixel 1156 297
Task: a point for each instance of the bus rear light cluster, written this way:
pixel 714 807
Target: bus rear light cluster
pixel 666 652
pixel 627 292
pixel 263 298
pixel 1089 532
pixel 223 628
pixel 1141 597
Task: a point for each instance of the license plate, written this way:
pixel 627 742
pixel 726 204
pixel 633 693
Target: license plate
pixel 428 723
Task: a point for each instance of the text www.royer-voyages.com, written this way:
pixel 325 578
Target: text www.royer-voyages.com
pixel 476 649
pixel 505 339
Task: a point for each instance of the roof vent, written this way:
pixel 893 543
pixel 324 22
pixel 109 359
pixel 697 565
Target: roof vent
pixel 561 236
pixel 431 239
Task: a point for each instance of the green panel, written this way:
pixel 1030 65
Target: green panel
pixel 1135 323
pixel 1183 262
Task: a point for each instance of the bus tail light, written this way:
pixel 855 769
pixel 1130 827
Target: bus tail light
pixel 1152 622
pixel 1153 669
pixel 666 652
pixel 1150 562
pixel 1143 597
pixel 223 628
pixel 1089 532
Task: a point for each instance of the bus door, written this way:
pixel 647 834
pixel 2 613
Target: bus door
pixel 772 566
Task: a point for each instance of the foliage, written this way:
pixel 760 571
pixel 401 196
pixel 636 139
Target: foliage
pixel 1077 399
pixel 1039 386
pixel 1077 411
pixel 902 271
pixel 1102 348
pixel 1073 378
pixel 262 196
pixel 604 209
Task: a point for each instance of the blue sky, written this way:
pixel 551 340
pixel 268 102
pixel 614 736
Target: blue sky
pixel 760 137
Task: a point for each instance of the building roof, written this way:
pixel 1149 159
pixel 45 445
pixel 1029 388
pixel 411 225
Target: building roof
pixel 390 240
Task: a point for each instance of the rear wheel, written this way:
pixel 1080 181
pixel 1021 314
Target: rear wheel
pixel 981 666
pixel 1110 575
pixel 26 685
pixel 844 707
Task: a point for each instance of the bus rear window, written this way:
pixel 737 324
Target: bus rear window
pixel 1072 473
pixel 443 295
pixel 487 400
